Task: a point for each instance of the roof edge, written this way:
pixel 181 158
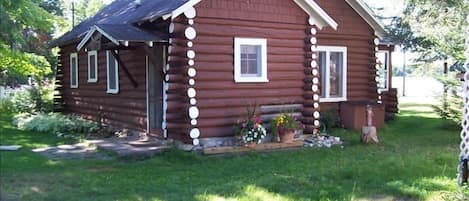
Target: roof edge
pixel 365 12
pixel 90 33
pixel 318 15
pixel 321 18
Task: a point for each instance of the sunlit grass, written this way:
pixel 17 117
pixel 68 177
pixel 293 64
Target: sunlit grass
pixel 416 160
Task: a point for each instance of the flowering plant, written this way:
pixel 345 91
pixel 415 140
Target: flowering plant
pixel 250 129
pixel 287 121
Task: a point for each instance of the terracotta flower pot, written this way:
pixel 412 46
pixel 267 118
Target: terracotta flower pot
pixel 286 135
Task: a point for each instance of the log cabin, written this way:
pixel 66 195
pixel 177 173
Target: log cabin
pixel 188 69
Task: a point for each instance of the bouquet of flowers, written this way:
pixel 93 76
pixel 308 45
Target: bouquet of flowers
pixel 250 129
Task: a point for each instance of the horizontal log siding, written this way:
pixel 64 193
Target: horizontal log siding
pixel 177 118
pixel 354 33
pixel 222 101
pixel 127 109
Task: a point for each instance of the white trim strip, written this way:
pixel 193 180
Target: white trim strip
pixel 90 33
pixel 318 16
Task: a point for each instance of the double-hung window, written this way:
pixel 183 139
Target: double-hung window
pixel 383 70
pixel 333 68
pixel 92 66
pixel 250 60
pixel 112 73
pixel 74 70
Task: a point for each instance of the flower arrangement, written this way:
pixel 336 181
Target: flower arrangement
pixel 284 127
pixel 250 129
pixel 287 121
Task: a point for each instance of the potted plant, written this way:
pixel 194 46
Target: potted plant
pixel 285 126
pixel 250 129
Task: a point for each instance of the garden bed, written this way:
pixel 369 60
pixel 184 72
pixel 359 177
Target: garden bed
pixel 258 148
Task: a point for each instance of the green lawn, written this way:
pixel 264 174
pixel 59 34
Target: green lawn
pixel 416 161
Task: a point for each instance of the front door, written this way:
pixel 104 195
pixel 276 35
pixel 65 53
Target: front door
pixel 155 64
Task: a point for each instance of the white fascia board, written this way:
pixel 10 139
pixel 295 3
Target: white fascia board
pixel 181 9
pixel 364 11
pixel 90 34
pixel 317 14
pixel 86 38
pixel 112 39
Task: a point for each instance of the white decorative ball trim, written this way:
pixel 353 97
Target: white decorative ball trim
pixel 191 72
pixel 190 33
pixel 195 142
pixel 316 105
pixel 193 112
pixel 193 101
pixel 190 54
pixel 195 133
pixel 190 13
pixel 191 93
pixel 316 115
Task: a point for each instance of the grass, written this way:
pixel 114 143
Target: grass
pixel 416 161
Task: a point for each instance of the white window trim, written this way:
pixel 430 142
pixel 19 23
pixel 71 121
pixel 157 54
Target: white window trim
pixel 329 49
pixel 387 73
pixel 73 56
pixel 95 54
pixel 116 90
pixel 237 59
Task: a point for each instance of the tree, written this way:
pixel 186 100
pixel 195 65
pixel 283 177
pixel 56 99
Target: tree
pixel 25 29
pixel 439 25
pixel 83 9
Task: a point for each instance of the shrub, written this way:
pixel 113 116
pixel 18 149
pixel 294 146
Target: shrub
pixel 329 119
pixel 7 107
pixel 56 123
pixel 37 98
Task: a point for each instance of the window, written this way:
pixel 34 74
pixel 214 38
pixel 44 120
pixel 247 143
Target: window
pixel 333 68
pixel 112 73
pixel 73 70
pixel 250 60
pixel 92 66
pixel 383 70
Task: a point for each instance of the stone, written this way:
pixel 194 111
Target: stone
pixel 9 147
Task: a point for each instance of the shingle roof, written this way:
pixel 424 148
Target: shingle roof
pixel 121 12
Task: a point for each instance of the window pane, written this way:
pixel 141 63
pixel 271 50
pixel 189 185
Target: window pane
pixel 382 70
pixel 244 66
pixel 92 67
pixel 250 60
pixel 74 71
pixel 335 74
pixel 112 71
pixel 322 70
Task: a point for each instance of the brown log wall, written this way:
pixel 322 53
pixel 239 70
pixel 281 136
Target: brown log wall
pixel 127 109
pixel 222 101
pixel 354 33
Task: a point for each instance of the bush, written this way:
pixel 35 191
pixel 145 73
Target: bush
pixel 329 119
pixel 58 124
pixel 7 107
pixel 37 98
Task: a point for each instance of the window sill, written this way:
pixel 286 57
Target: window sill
pixel 92 81
pixel 332 100
pixel 251 80
pixel 112 92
